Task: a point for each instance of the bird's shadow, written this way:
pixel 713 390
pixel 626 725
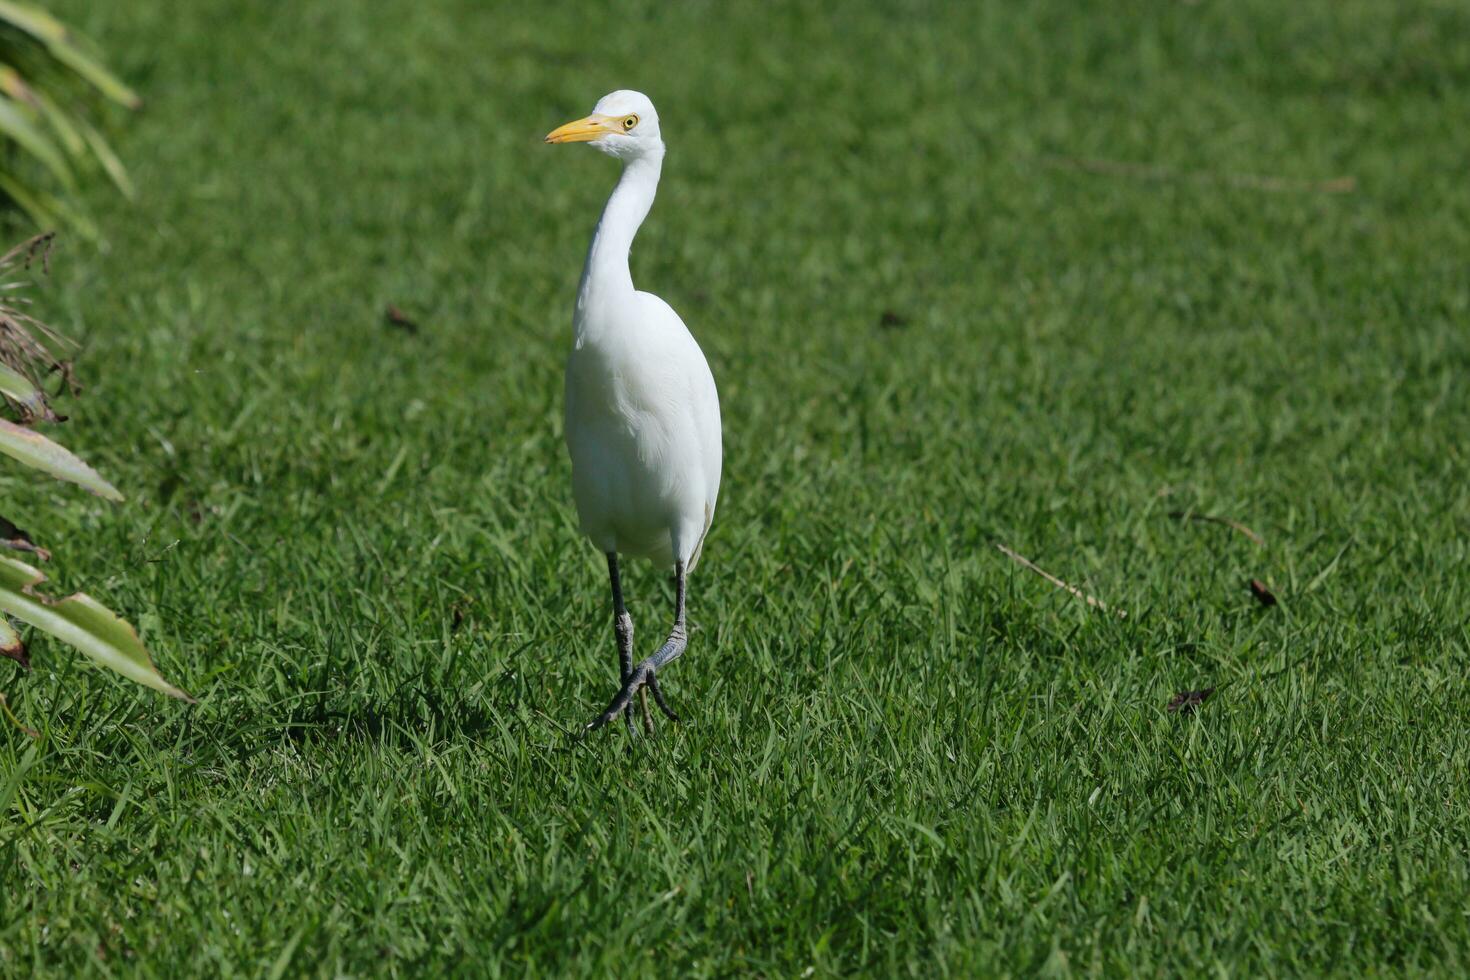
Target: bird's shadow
pixel 401 720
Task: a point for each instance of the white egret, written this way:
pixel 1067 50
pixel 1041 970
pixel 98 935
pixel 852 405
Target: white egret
pixel 642 413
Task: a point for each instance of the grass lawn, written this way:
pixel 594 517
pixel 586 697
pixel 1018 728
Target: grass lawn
pixel 1034 274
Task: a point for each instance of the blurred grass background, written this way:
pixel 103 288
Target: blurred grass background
pixel 905 754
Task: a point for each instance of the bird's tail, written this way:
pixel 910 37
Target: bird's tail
pixel 709 518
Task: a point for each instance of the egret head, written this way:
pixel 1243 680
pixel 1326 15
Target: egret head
pixel 623 124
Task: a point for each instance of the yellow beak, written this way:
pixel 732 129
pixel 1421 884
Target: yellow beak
pixel 583 130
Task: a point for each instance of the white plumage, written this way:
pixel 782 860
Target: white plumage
pixel 642 413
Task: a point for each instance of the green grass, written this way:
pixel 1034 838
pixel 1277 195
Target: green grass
pixel 904 754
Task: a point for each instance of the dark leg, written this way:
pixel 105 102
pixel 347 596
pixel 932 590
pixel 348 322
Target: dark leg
pixel 643 673
pixel 623 626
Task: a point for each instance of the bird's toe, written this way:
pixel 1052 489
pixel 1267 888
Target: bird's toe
pixel 639 676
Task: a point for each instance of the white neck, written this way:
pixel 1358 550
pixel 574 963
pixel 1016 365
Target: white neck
pixel 606 276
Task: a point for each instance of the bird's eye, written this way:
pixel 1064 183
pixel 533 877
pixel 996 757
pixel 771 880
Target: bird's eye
pixel 629 123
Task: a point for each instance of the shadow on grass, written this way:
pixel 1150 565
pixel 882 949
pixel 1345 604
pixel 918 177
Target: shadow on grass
pixel 408 716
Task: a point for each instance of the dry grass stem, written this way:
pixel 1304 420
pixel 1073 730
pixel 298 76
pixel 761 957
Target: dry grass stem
pixel 1187 515
pixel 1025 562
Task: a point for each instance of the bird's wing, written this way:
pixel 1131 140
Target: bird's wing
pixel 703 400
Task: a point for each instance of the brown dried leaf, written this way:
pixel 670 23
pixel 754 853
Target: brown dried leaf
pixel 27 345
pixel 20 540
pixel 27 251
pixel 1185 702
pixel 400 319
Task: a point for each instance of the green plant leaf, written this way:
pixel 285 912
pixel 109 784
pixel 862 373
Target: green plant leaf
pixel 11 645
pixel 62 45
pixel 62 123
pixel 82 622
pixel 34 449
pixel 54 135
pixel 30 201
pixel 102 150
pixel 19 389
pixel 77 135
pixel 32 20
pixel 47 210
pixel 15 122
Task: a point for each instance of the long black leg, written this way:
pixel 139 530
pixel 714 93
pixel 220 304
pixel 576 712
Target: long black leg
pixel 623 626
pixel 643 673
